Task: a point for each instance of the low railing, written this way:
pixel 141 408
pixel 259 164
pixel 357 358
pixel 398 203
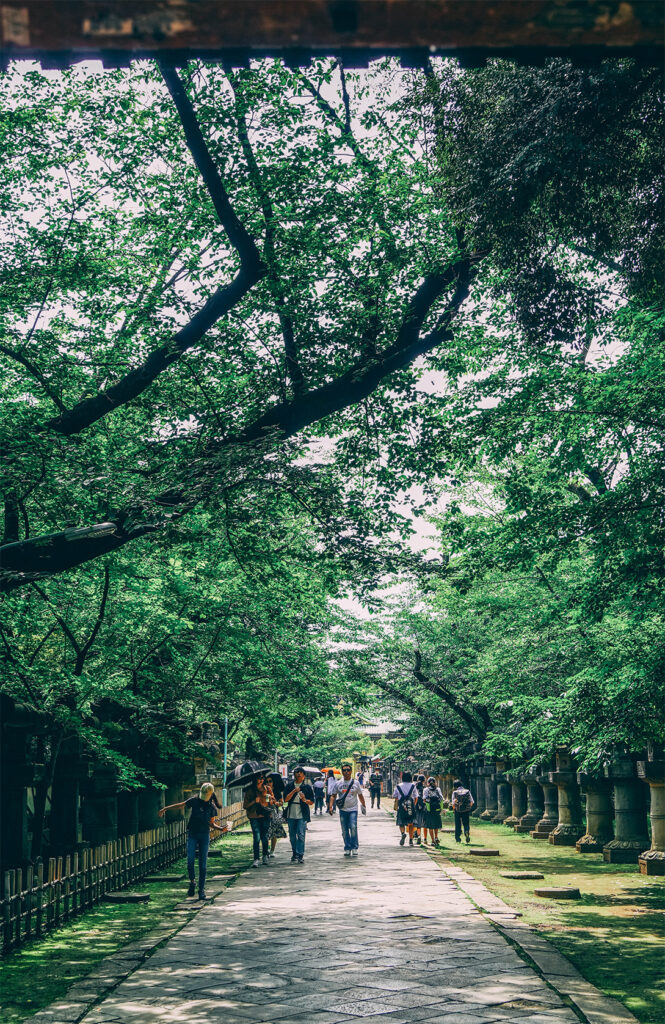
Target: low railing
pixel 48 895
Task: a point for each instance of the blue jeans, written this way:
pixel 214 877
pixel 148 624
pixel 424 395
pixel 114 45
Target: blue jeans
pixel 260 828
pixel 349 822
pixel 297 829
pixel 200 840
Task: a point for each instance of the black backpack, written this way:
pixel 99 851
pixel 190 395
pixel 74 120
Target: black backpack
pixel 434 801
pixel 463 798
pixel 406 800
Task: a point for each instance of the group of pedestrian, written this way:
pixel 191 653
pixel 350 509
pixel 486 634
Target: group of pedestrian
pixel 418 803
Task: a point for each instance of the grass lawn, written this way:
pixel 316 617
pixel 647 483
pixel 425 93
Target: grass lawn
pixel 40 972
pixel 613 934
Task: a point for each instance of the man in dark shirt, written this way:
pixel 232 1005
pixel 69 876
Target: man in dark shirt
pixel 198 833
pixel 375 781
pixel 299 798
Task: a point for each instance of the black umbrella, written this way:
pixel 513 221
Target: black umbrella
pixel 246 773
pixel 311 772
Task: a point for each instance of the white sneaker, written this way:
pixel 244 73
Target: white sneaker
pixel 256 864
pixel 266 859
pixel 347 853
pixel 354 853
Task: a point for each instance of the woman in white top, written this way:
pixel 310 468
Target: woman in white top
pixel 330 789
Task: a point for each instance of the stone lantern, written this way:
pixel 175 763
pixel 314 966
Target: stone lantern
pixel 598 814
pixel 491 805
pixel 534 803
pixel 631 836
pixel 517 799
pixel 550 818
pixel 503 794
pixel 652 862
pixel 479 791
pixel 570 826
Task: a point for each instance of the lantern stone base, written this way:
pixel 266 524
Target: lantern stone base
pixel 652 862
pixel 623 851
pixel 511 821
pixel 566 835
pixel 592 844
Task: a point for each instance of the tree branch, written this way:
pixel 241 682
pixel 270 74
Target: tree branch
pixel 35 372
pixel 43 556
pixel 276 288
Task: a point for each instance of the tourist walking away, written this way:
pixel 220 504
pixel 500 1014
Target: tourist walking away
pixel 346 794
pixel 375 783
pixel 419 815
pixel 299 798
pixel 319 787
pixel 277 822
pixel 330 787
pixel 404 795
pixel 463 803
pixel 258 803
pixel 202 811
pixel 433 798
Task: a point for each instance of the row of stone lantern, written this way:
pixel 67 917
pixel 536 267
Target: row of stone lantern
pixel 548 805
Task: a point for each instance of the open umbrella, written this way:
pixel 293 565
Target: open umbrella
pixel 311 772
pixel 336 772
pixel 246 773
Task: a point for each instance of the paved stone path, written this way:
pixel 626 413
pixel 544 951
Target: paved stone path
pixel 384 937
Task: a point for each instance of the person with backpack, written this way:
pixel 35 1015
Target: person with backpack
pixel 405 795
pixel 346 793
pixel 203 810
pixel 319 787
pixel 419 816
pixel 463 803
pixel 433 798
pixel 258 802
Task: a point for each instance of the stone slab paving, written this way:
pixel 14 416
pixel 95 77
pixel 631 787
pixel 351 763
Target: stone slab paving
pixel 385 937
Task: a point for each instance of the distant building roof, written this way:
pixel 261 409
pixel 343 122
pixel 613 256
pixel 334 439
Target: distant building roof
pixel 379 728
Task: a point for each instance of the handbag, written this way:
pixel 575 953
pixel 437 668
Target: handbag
pixel 340 802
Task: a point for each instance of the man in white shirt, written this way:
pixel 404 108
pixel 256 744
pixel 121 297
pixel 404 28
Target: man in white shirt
pixel 345 796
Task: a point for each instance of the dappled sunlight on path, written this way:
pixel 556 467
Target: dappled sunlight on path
pixel 382 937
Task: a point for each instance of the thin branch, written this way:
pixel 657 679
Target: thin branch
pixel 35 372
pixel 58 618
pixel 80 661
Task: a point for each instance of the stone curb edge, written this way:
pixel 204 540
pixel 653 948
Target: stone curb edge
pixel 112 970
pixel 593 1006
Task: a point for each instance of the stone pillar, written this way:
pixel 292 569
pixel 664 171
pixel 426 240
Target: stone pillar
pixel 16 774
pixel 479 791
pixel 598 814
pixel 517 801
pixel 491 804
pixel 534 804
pixel 128 812
pixel 99 811
pixel 652 862
pixel 631 836
pixel 150 801
pixel 65 831
pixel 550 817
pixel 570 826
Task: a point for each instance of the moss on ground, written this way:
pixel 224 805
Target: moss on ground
pixel 40 972
pixel 613 934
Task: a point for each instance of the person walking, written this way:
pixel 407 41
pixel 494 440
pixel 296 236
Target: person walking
pixel 419 815
pixel 463 803
pixel 405 795
pixel 299 799
pixel 330 786
pixel 345 796
pixel 375 783
pixel 258 803
pixel 433 798
pixel 319 787
pixel 276 828
pixel 202 811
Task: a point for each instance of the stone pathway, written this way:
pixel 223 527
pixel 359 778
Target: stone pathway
pixel 384 937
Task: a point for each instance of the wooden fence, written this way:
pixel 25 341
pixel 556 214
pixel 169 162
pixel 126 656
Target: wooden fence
pixel 48 895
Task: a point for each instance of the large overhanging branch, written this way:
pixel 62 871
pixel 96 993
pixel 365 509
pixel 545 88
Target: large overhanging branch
pixel 90 410
pixel 38 557
pixel 478 728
